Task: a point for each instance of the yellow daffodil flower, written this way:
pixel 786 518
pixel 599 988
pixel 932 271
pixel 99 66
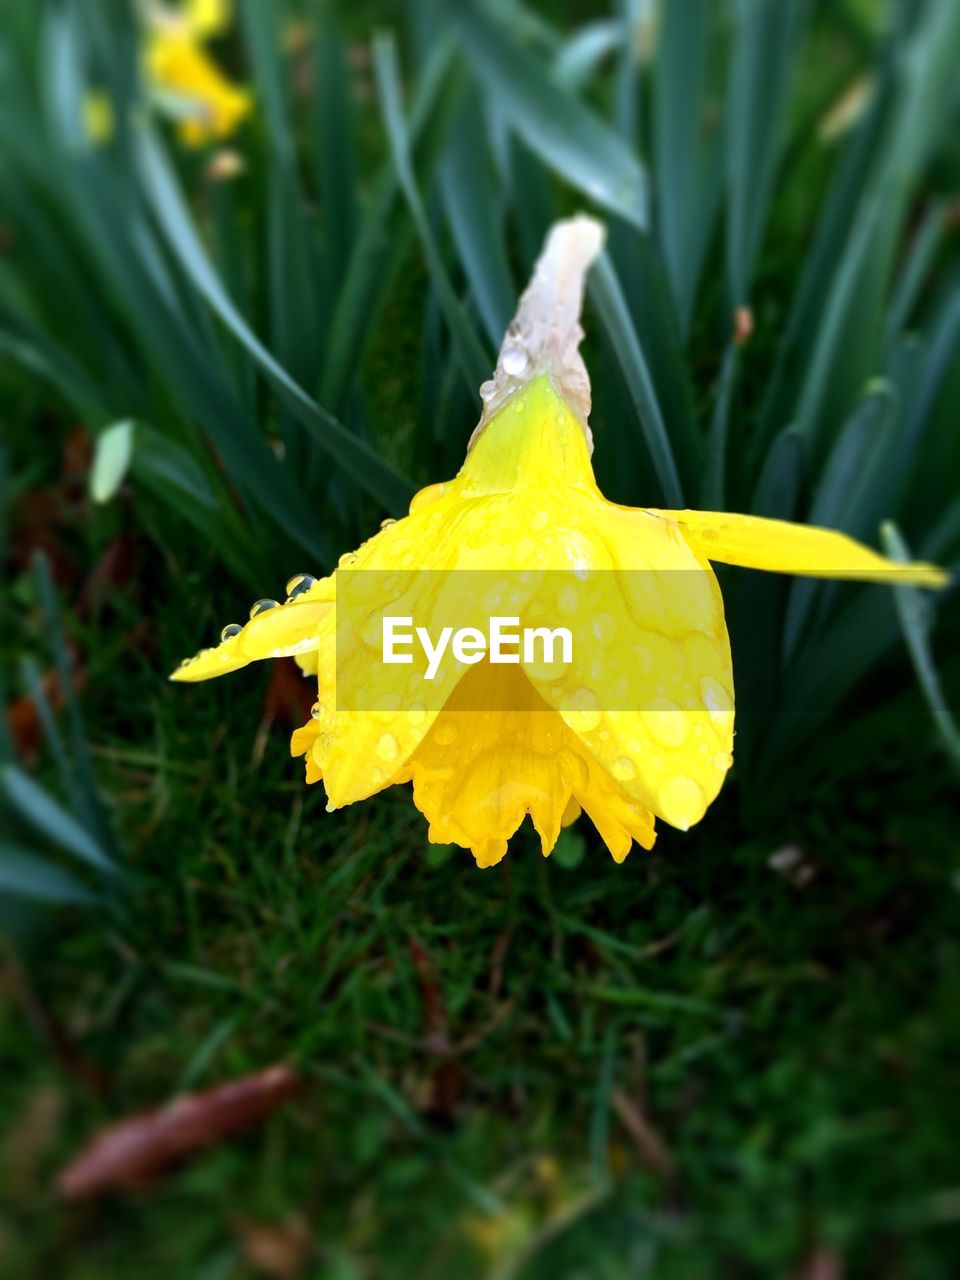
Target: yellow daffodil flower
pixel 181 73
pixel 636 721
pixel 99 119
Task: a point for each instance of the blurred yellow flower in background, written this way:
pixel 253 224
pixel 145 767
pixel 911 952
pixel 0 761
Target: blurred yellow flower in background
pixel 181 73
pixel 99 119
pixel 640 724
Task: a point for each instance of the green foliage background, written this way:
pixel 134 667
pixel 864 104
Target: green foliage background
pixel 268 366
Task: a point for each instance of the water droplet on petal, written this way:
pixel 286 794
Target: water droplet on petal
pixel 568 600
pixel 722 760
pixel 624 769
pixel 299 583
pixel 385 524
pixel 682 802
pixel 346 560
pixel 487 390
pixel 603 628
pixel 513 359
pixel 584 714
pixel 444 734
pixel 666 722
pixel 230 630
pixel 261 606
pixel 716 698
pixel 387 747
pixel 315 711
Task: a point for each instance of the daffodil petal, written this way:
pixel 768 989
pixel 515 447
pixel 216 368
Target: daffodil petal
pixel 207 18
pixel 651 699
pixel 177 65
pixel 287 630
pixel 477 775
pixel 755 542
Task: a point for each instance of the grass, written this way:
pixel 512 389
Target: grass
pixel 790 1046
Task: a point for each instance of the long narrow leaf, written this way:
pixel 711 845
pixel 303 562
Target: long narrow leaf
pixel 582 149
pixel 915 613
pixel 43 813
pixel 370 470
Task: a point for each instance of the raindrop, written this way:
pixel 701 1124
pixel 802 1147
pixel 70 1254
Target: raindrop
pixel 487 390
pixel 584 714
pixel 665 720
pixel 315 711
pixel 230 630
pixel 624 769
pixel 682 801
pixel 567 600
pixel 387 747
pixel 513 359
pixel 299 583
pixel 603 627
pixel 261 606
pixel 716 698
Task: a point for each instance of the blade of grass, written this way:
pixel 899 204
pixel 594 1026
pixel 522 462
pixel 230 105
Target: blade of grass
pixel 92 811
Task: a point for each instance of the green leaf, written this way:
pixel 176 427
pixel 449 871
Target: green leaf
pixel 915 612
pixel 574 142
pixel 357 458
pixel 112 454
pixel 845 494
pixel 24 875
pixel 475 363
pixel 684 202
pixel 469 198
pixel 382 237
pixel 88 797
pixel 611 306
pixel 39 808
pixel 766 37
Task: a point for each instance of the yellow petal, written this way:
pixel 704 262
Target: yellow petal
pixel 778 545
pixel 177 65
pixel 207 18
pixel 99 118
pixel 285 631
pixel 477 775
pixel 651 700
